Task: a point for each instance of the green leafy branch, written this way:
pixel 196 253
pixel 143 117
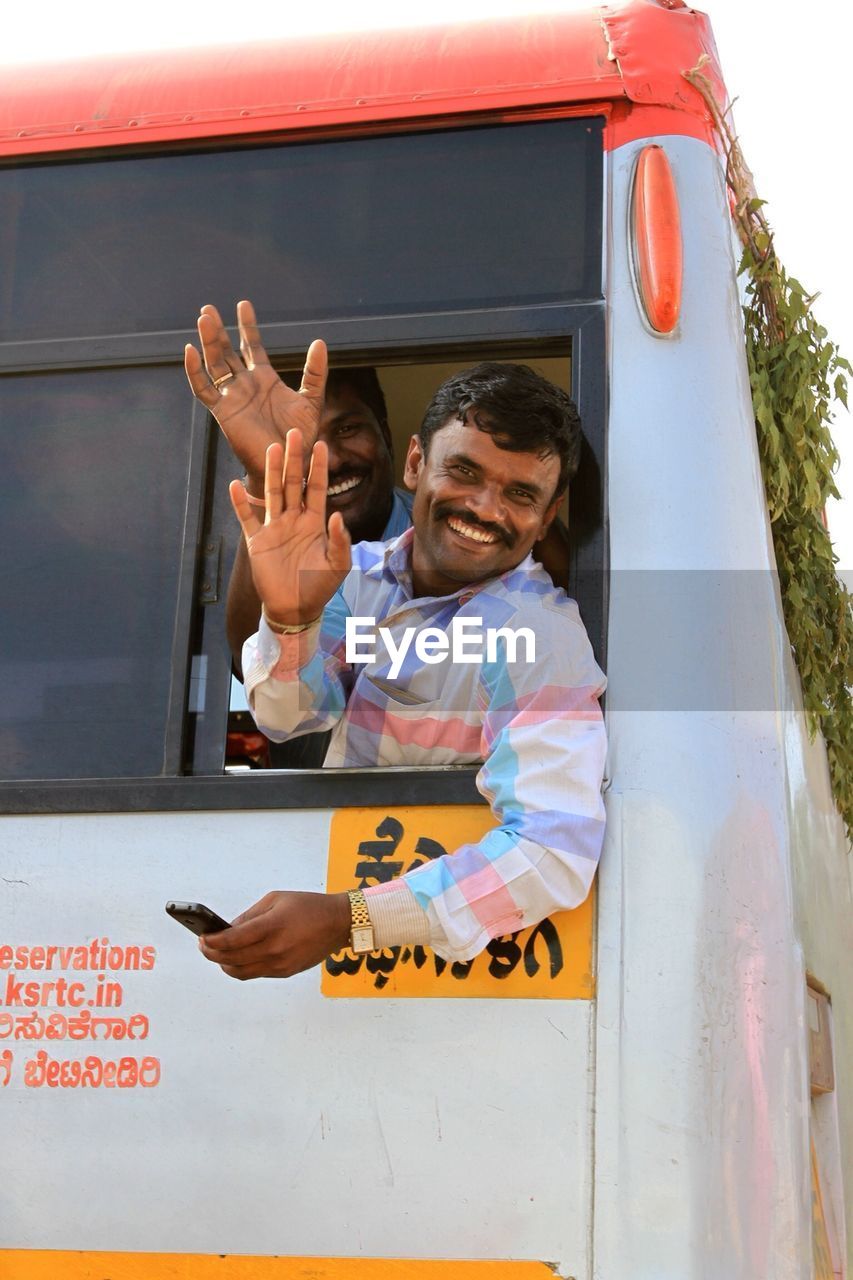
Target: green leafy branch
pixel 796 374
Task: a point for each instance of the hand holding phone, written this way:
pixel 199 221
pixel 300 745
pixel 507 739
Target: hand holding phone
pixel 196 917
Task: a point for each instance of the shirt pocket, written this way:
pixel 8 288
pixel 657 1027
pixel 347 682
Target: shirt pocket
pixel 421 724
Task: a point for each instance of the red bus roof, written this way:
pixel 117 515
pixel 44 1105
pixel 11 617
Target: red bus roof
pixel 632 53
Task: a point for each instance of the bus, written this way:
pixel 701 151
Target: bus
pixel 656 1084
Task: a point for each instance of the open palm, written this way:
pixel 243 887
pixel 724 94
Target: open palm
pixel 244 393
pixel 297 561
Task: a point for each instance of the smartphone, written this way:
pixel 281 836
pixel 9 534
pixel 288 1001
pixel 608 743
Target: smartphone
pixel 196 917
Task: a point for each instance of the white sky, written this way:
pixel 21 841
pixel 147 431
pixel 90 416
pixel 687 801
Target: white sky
pixel 787 66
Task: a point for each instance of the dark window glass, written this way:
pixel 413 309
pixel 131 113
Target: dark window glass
pixel 461 218
pixel 93 491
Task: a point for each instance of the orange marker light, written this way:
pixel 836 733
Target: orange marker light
pixel 656 230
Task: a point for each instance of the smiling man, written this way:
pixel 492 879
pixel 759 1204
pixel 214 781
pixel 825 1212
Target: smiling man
pixel 502 443
pixel 354 425
pixel 496 449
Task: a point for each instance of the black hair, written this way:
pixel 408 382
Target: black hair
pixel 364 381
pixel 520 409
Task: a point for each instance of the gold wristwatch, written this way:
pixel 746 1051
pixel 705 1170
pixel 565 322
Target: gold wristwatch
pixel 361 929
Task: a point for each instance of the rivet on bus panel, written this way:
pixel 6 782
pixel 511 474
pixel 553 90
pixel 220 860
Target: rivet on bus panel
pixel 656 240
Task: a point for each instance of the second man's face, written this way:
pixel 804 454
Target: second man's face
pixel 361 470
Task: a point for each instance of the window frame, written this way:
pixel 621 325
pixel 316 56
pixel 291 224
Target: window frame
pixel 351 340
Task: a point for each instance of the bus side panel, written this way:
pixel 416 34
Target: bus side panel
pixel 261 1118
pixel 702 1157
pixel 823 893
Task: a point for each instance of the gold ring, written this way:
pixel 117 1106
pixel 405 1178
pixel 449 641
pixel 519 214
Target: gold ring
pixel 226 377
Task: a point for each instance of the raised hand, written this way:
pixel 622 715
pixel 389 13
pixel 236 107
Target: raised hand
pixel 244 393
pixel 297 562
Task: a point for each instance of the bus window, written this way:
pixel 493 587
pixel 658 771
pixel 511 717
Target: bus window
pixel 361 227
pixel 407 386
pixel 418 252
pixel 92 524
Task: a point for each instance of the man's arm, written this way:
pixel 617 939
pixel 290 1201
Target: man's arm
pixel 242 608
pixel 544 752
pixel 297 564
pixel 254 409
pixel 298 684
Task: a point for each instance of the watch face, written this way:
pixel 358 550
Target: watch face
pixel 362 939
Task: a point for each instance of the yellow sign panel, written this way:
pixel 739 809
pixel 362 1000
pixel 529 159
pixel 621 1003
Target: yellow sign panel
pixel 372 846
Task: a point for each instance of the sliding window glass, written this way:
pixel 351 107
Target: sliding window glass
pixel 93 494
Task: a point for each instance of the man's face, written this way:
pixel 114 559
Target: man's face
pixel 361 471
pixel 478 509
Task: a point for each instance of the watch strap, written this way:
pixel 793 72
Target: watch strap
pixel 361 926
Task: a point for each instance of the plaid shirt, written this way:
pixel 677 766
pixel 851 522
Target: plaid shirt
pixel 535 727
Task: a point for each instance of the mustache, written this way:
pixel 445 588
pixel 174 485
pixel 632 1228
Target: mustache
pixel 443 510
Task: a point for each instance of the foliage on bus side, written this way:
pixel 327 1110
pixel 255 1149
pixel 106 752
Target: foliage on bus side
pixel 796 373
